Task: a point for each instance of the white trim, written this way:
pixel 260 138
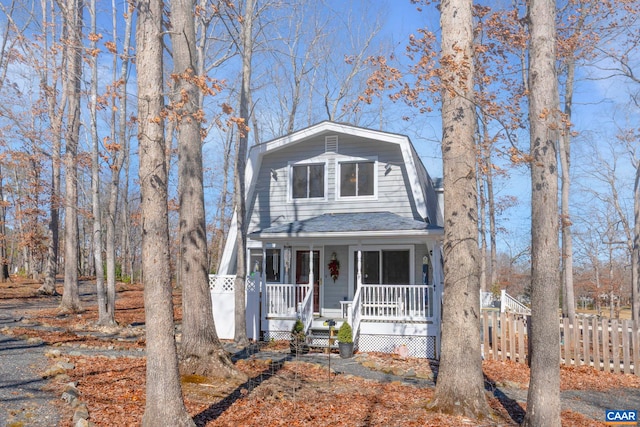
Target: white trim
pixel 353 249
pixel 308 162
pixel 294 265
pixel 338 181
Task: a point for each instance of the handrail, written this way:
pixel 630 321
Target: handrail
pixel 305 309
pixel 510 304
pixel 355 315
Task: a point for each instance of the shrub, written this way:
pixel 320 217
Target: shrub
pixel 345 333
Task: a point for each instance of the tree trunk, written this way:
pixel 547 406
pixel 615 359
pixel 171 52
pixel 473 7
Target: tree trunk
pixel 635 251
pixel 54 113
pixel 543 400
pixel 164 404
pixel 568 297
pixel 460 383
pixel 4 262
pixel 103 315
pixel 73 26
pixel 120 139
pixel 240 334
pixel 201 352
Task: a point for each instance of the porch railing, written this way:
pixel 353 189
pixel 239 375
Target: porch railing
pixel 305 309
pixel 512 305
pixel 282 300
pixel 355 315
pixel 395 302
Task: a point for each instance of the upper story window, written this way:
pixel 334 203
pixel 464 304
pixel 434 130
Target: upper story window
pixel 357 179
pixel 307 181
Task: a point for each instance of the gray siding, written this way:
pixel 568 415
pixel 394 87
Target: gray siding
pixel 270 204
pixel 336 291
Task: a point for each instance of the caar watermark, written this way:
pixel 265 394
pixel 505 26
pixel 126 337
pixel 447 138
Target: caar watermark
pixel 620 417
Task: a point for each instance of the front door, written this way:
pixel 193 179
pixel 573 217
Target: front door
pixel 302 274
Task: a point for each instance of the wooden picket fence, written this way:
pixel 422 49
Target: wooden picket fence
pixel 610 345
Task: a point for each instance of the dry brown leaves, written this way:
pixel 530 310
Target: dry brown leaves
pixel 292 394
pixel 571 378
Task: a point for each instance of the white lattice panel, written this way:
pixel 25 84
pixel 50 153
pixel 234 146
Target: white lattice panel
pixel 277 335
pixel 423 347
pixel 221 284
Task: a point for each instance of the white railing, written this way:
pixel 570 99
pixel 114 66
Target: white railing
pixel 396 302
pixel 512 305
pixel 354 316
pixel 281 300
pixel 305 309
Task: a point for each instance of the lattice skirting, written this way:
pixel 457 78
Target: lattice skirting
pixel 277 335
pixel 423 347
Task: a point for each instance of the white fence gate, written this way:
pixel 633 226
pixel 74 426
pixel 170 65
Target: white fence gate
pixel 222 298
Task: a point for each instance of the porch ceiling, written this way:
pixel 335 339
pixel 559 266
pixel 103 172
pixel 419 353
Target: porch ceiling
pixel 367 224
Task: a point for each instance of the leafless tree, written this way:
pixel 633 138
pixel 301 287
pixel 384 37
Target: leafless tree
pixel 200 352
pixel 543 400
pixel 164 403
pixel 72 11
pixel 460 385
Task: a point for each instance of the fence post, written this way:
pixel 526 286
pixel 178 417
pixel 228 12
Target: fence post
pixel 615 346
pixel 485 334
pixel 596 343
pixel 503 337
pixel 585 341
pixel 606 365
pixel 576 340
pixel 625 347
pixel 512 336
pixel 494 335
pixel 566 344
pixel 636 347
pixel 522 357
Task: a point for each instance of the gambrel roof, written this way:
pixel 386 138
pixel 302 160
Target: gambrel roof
pixel 427 218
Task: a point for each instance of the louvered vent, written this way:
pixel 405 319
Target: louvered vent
pixel 331 144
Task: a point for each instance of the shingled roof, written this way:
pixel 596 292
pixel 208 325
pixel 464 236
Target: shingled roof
pixel 348 222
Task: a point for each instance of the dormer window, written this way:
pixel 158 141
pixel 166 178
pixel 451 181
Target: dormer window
pixel 307 181
pixel 357 179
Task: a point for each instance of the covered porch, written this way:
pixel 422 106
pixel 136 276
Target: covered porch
pixel 386 284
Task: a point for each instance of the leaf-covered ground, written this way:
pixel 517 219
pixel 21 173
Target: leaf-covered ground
pixel 295 393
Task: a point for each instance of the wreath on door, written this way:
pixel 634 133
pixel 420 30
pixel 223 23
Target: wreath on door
pixel 334 267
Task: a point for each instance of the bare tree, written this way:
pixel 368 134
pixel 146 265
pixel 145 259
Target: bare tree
pixel 460 385
pixel 201 352
pixel 543 400
pixel 119 150
pixel 72 15
pixel 164 404
pixel 103 314
pixel 246 43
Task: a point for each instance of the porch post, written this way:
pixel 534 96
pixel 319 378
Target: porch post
pixel 264 296
pixel 359 275
pixel 311 278
pixel 263 269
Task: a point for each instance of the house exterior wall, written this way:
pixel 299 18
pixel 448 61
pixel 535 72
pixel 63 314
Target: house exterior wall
pixel 338 290
pixel 272 203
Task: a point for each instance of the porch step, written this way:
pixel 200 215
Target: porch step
pixel 318 334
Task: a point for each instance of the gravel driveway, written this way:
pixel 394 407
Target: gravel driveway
pixel 23 401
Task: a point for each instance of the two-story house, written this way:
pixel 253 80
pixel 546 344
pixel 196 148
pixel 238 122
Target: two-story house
pixel 343 223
